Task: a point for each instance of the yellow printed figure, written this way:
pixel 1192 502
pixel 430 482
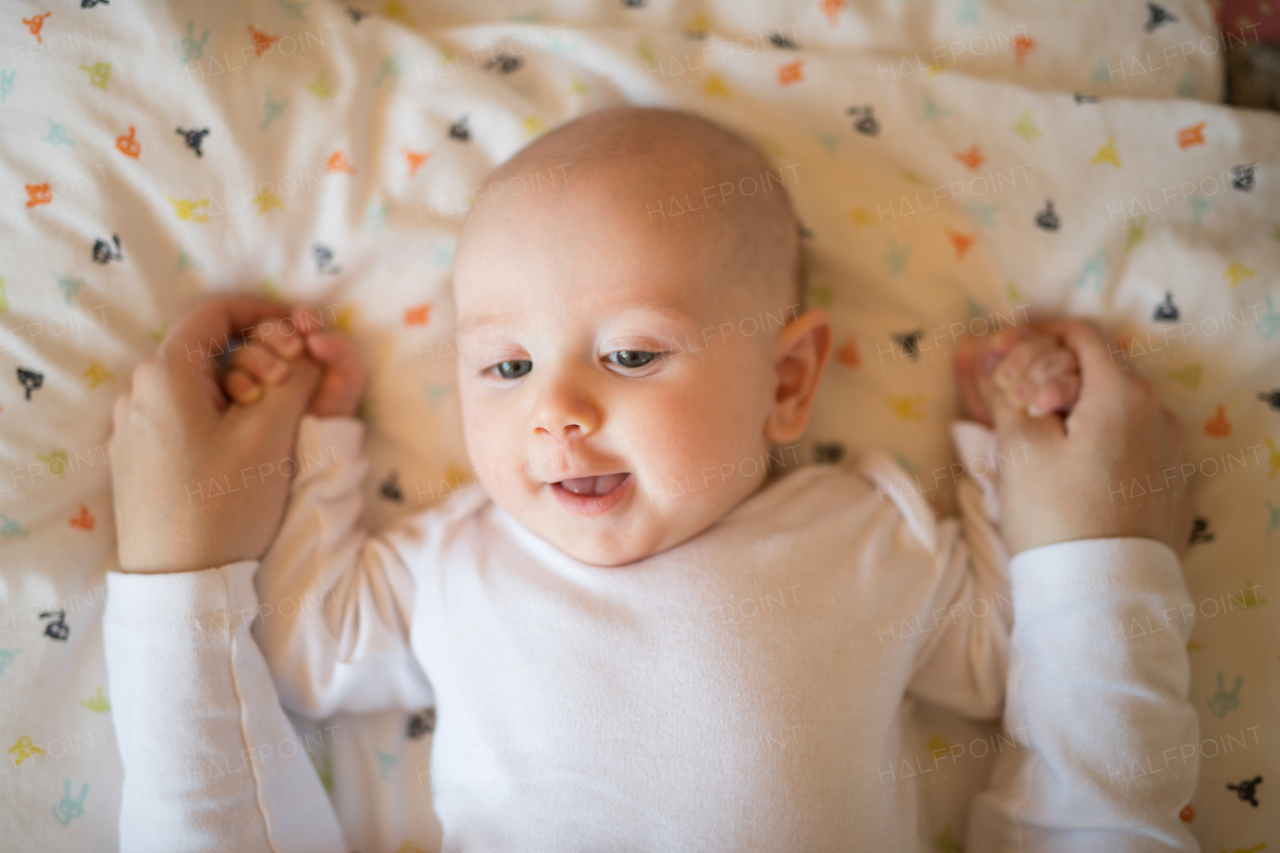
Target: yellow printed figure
pixel 577 87
pixel 1237 273
pixel 1137 230
pixel 1274 460
pixel 267 200
pixel 1107 154
pixel 909 407
pixel 24 749
pixel 55 461
pixel 715 86
pixel 97 703
pixel 697 26
pixel 189 210
pixel 1188 377
pixel 533 126
pixel 1026 128
pixel 99 73
pixel 860 217
pixel 98 373
pixel 320 87
pixel 1014 294
pixel 4 296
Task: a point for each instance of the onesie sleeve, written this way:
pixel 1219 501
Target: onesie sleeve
pixel 210 760
pixel 1108 740
pixel 336 605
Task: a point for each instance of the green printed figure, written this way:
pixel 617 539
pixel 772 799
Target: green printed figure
pixel 932 110
pixel 191 49
pixel 1274 523
pixel 7 78
pixel 895 262
pixel 1094 270
pixel 272 110
pixel 57 135
pixel 1200 205
pixel 69 286
pixel 68 809
pixel 295 10
pixel 947 841
pixel 386 761
pixel 9 527
pixel 967 13
pixel 4 296
pixel 1102 71
pixel 325 773
pixel 392 67
pixel 985 214
pixel 1222 702
pixel 1026 128
pixel 99 73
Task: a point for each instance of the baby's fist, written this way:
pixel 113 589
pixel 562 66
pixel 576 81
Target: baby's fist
pixel 1034 371
pixel 342 384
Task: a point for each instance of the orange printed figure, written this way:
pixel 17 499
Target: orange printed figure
pixel 1191 135
pixel 261 41
pixel 418 315
pixel 128 145
pixel 790 73
pixel 85 520
pixel 35 24
pixel 832 9
pixel 848 354
pixel 1188 813
pixel 1218 426
pixel 972 159
pixel 415 159
pixel 38 194
pixel 962 243
pixel 1022 46
pixel 338 163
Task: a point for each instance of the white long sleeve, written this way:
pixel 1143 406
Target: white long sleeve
pixel 1110 741
pixel 211 763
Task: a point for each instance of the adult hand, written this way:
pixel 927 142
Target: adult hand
pixel 1073 477
pixel 199 482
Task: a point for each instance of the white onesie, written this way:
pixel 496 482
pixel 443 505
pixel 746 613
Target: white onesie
pixel 746 690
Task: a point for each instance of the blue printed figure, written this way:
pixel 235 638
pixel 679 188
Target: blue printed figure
pixel 386 761
pixel 896 261
pixel 973 309
pixel 272 110
pixel 932 110
pixel 1222 702
pixel 1200 205
pixel 375 217
pixel 391 67
pixel 967 13
pixel 1094 270
pixel 1270 322
pixel 191 49
pixel 435 393
pixel 9 527
pixel 1102 71
pixel 7 78
pixel 58 135
pixel 6 658
pixel 444 254
pixel 69 809
pixel 985 214
pixel 69 286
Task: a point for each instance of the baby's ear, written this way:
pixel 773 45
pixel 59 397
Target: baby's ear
pixel 802 352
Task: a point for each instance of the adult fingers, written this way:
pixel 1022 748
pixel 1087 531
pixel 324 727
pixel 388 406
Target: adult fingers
pixel 260 362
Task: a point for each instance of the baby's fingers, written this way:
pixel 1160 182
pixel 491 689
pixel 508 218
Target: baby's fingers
pixel 242 388
pixel 283 337
pixel 1057 395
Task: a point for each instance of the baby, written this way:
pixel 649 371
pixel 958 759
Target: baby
pixel 580 619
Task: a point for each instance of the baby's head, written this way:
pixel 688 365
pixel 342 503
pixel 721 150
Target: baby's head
pixel 625 368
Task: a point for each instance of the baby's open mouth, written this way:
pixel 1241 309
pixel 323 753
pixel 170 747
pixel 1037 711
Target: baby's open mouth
pixel 593 486
pixel 592 495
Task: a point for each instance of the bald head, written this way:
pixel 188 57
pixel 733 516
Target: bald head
pixel 674 174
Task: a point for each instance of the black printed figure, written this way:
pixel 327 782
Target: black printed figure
pixel 30 380
pixel 1248 790
pixel 1047 218
pixel 102 253
pixel 1082 98
pixel 1200 531
pixel 779 40
pixel 421 724
pixel 1166 310
pixel 867 123
pixel 459 130
pixel 391 489
pixel 89 4
pixel 828 453
pixel 1157 16
pixel 634 4
pixel 1242 177
pixel 804 230
pixel 356 15
pixel 324 260
pixel 1271 398
pixel 505 63
pixel 194 138
pixel 910 343
pixel 58 629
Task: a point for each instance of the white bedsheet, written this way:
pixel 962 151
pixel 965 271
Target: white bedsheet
pixel 330 174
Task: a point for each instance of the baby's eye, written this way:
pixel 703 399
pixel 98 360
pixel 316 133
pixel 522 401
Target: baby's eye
pixel 631 358
pixel 512 369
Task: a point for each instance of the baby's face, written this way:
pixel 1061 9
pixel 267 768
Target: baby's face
pixel 604 408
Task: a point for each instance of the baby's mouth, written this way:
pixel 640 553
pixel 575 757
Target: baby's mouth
pixel 593 486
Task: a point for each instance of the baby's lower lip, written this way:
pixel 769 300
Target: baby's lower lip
pixel 592 495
